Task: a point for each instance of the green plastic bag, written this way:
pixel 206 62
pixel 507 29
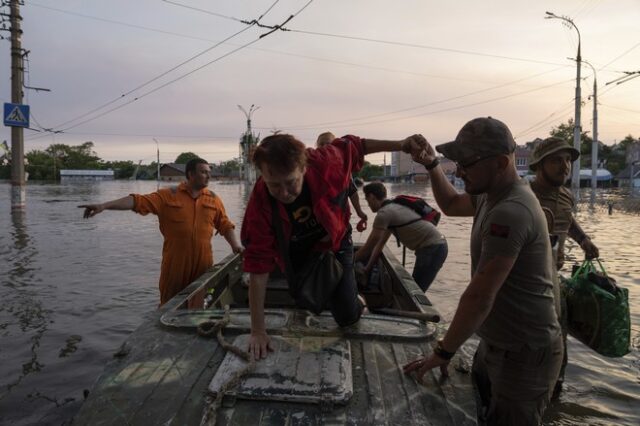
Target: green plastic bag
pixel 598 310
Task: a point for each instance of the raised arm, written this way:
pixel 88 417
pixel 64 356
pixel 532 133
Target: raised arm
pixel 449 200
pixel 411 145
pixel 124 203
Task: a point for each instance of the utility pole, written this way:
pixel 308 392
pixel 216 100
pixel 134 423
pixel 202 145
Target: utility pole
pixel 577 129
pixel 247 171
pixel 157 163
pixel 18 192
pixel 594 143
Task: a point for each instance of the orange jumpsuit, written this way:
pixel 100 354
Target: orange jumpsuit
pixel 187 225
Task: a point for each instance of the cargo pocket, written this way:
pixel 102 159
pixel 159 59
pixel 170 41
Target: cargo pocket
pixel 174 212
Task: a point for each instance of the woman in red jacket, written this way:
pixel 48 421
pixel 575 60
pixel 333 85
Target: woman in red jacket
pixel 310 188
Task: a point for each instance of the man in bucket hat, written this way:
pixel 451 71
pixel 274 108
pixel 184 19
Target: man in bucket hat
pixel 509 301
pixel 551 161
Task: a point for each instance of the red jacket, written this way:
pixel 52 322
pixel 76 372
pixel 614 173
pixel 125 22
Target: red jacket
pixel 328 175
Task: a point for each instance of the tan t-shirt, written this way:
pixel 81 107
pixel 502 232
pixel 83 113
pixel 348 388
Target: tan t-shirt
pixel 514 225
pixel 560 201
pixel 414 235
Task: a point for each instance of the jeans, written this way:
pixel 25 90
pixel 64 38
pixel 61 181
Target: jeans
pixel 429 260
pixel 344 304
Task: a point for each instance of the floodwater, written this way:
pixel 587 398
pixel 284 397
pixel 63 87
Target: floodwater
pixel 71 290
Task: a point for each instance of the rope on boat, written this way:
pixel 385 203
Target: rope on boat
pixel 214 400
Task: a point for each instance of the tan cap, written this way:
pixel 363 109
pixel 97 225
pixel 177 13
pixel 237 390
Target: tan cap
pixel 551 146
pixel 480 137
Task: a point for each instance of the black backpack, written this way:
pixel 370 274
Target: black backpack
pixel 420 206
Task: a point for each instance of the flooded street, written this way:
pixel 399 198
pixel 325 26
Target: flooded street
pixel 73 289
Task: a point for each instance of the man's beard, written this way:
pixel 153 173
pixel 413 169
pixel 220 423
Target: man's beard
pixel 553 180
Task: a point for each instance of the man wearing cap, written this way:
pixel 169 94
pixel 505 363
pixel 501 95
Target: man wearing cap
pixel 551 161
pixel 509 301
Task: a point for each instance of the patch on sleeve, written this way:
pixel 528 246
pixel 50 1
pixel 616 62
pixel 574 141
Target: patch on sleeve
pixel 501 231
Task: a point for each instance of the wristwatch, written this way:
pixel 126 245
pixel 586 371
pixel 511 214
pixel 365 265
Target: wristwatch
pixel 432 165
pixel 442 352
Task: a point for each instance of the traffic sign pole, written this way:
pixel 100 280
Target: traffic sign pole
pixel 18 184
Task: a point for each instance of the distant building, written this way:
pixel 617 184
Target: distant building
pixel 523 153
pixel 85 175
pixel 633 153
pixel 402 164
pixel 624 177
pixel 604 178
pixel 171 172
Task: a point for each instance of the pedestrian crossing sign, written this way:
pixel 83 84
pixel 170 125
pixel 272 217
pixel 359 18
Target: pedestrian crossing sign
pixel 16 115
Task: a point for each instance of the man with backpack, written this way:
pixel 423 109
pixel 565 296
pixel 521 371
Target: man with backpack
pixel 413 222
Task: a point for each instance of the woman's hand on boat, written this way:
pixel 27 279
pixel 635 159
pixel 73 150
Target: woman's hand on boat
pixel 259 345
pixel 426 363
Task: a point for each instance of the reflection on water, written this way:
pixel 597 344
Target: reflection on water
pixel 21 312
pixel 73 289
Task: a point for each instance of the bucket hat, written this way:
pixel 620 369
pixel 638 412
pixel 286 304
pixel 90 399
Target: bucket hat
pixel 551 146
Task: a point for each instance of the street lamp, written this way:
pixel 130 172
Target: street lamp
pixel 157 163
pixel 575 178
pixel 247 173
pixel 594 143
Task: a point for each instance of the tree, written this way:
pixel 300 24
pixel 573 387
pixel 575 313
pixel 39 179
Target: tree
pixel 121 169
pixel 230 168
pixel 369 171
pixel 184 157
pixel 46 165
pixel 565 131
pixel 616 160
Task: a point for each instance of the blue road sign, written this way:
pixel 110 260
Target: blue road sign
pixel 16 115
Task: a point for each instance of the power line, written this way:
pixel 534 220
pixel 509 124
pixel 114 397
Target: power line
pixel 434 112
pixel 219 15
pixel 109 111
pixel 396 43
pixel 279 52
pixel 621 109
pixel 151 80
pixel 165 73
pixel 422 46
pixel 545 121
pixel 330 123
pixel 620 56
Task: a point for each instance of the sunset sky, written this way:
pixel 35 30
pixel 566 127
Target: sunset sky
pixel 377 69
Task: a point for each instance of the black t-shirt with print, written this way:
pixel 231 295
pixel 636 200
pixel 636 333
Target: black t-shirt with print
pixel 306 231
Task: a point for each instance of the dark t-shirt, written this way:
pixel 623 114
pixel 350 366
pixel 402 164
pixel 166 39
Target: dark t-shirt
pixel 513 225
pixel 306 231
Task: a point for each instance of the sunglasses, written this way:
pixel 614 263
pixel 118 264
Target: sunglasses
pixel 472 163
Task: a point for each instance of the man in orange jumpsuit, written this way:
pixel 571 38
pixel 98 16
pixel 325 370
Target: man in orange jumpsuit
pixel 187 215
